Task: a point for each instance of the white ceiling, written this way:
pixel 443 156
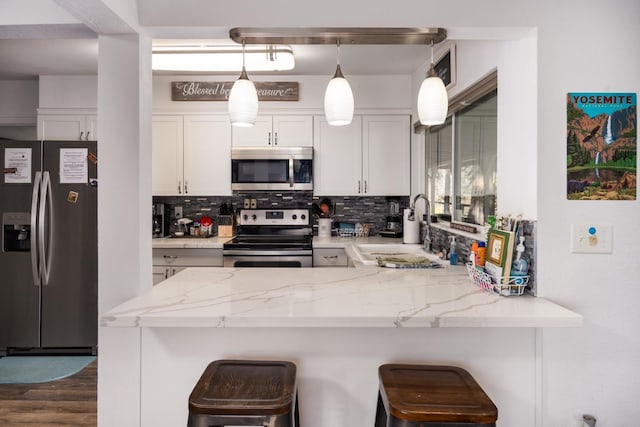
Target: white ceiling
pixel 27 51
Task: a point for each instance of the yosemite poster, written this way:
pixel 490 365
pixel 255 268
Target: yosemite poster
pixel 601 146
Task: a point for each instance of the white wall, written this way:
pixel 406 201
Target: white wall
pixel 79 91
pixel 18 102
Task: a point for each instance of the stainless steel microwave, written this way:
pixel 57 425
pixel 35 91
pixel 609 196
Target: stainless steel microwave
pixel 272 168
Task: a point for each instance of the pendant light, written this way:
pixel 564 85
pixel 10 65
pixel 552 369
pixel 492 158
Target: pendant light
pixel 338 98
pixel 243 99
pixel 433 101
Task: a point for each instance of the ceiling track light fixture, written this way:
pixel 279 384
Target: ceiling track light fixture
pixel 433 101
pixel 338 98
pixel 243 99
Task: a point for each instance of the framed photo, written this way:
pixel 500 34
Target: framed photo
pixel 500 250
pixel 446 66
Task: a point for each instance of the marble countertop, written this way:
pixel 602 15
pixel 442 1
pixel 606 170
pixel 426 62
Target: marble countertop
pixel 189 242
pixel 332 297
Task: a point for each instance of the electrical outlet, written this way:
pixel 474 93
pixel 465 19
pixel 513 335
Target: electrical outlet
pixel 177 212
pixel 254 204
pixel 247 203
pixel 592 238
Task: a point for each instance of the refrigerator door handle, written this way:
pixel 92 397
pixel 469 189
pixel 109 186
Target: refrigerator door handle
pixel 34 227
pixel 45 199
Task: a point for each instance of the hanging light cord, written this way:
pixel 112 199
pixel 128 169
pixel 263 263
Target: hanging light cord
pixel 338 54
pixel 243 54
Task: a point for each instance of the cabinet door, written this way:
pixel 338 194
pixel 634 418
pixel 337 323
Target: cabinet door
pixel 386 155
pixel 167 165
pixel 160 273
pixel 293 131
pixel 64 127
pixel 207 155
pixel 337 161
pixel 91 128
pixel 260 134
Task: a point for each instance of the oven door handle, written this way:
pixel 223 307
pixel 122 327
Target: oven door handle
pixel 291 181
pixel 240 252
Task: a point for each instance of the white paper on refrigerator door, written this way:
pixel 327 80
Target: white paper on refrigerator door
pixel 17 165
pixel 73 166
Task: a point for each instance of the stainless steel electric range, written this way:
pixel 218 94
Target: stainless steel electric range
pixel 271 238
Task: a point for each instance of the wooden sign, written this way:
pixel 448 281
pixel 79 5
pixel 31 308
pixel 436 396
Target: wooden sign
pixel 219 91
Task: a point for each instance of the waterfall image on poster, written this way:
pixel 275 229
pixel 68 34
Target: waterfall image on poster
pixel 601 146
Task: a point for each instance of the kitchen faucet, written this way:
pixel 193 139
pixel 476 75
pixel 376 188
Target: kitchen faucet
pixel 412 217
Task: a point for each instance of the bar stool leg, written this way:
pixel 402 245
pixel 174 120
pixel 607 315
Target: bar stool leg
pixel 381 413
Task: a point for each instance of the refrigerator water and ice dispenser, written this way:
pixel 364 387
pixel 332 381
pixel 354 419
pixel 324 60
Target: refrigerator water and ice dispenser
pixel 16 232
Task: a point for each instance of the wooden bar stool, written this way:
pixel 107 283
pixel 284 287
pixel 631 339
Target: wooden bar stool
pixel 431 396
pixel 245 393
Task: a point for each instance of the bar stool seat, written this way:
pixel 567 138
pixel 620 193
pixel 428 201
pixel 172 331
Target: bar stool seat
pixel 431 396
pixel 245 393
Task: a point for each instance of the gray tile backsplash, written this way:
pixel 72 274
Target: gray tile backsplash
pixel 372 210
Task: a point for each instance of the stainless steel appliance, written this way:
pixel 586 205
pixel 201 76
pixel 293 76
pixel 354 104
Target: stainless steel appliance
pixel 272 168
pixel 49 257
pixel 160 220
pixel 271 238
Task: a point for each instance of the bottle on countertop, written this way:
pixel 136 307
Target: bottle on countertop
pixel 453 253
pixel 473 254
pixel 481 254
pixel 520 266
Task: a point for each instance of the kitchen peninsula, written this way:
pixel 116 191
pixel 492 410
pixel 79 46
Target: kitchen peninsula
pixel 337 324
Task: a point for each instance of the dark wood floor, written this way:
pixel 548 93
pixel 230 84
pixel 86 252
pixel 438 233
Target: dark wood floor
pixel 70 401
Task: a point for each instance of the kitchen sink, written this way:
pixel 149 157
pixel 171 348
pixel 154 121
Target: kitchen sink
pixel 368 253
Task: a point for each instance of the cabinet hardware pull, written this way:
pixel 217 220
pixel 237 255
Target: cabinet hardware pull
pixel 179 187
pixel 275 138
pixel 358 186
pixel 166 273
pixel 88 135
pixel 81 133
pixel 269 139
pixel 170 256
pixel 331 257
pixel 365 186
pixel 186 187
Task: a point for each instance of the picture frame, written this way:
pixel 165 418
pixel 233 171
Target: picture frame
pixel 445 66
pixel 500 251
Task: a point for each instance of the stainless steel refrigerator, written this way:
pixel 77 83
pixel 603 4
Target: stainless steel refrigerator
pixel 49 257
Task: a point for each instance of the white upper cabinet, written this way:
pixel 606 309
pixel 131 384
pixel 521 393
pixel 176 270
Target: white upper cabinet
pixel 337 158
pixel 191 155
pixel 67 127
pixel 369 157
pixel 276 131
pixel 386 157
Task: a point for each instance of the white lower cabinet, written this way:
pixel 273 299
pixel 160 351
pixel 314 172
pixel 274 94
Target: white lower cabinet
pixel 167 262
pixel 369 157
pixel 191 155
pixel 330 257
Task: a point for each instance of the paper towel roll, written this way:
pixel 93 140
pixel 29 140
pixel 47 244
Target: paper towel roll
pixel 324 227
pixel 410 229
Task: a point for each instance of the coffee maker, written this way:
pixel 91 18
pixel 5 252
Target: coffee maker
pixel 160 227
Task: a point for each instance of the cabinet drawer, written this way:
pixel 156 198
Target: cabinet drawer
pixel 334 257
pixel 188 257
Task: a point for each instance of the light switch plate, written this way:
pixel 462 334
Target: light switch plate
pixel 177 212
pixel 592 238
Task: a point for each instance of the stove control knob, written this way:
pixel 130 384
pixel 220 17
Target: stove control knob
pixel 294 217
pixel 245 217
pixel 303 217
pixel 254 217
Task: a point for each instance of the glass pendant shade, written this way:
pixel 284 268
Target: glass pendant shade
pixel 433 102
pixel 243 102
pixel 338 100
